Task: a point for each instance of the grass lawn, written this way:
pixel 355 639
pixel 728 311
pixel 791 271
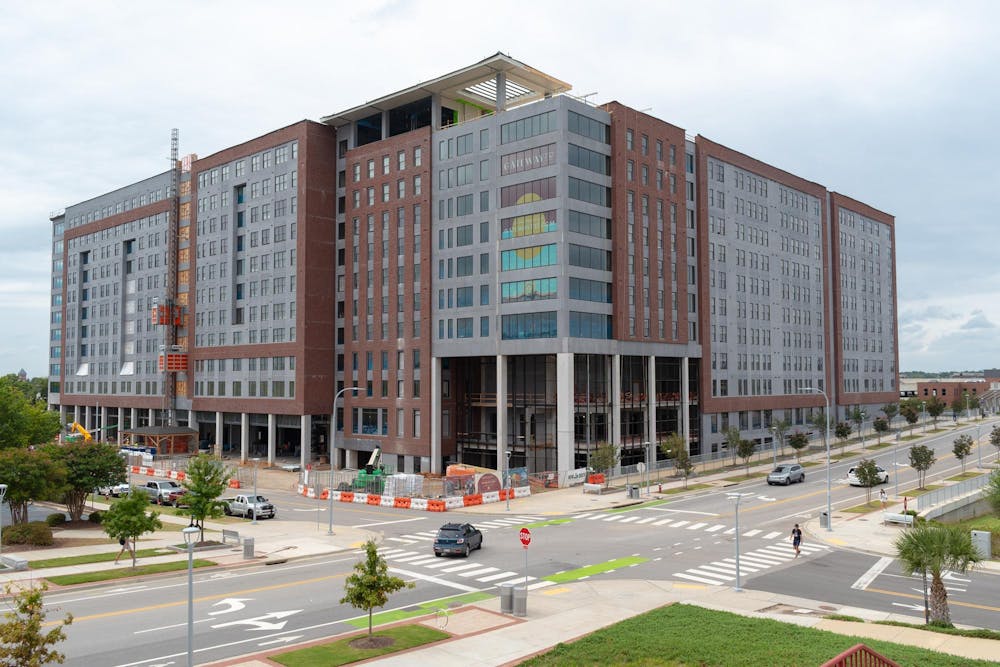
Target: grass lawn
pixel 991 524
pixel 683 635
pixel 340 652
pixel 124 571
pixel 809 464
pixel 745 477
pixel 881 445
pixel 964 476
pixel 689 487
pixel 105 557
pixel 912 493
pixel 422 609
pixel 864 508
pixel 911 437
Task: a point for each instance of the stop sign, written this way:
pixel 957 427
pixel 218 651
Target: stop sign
pixel 525 536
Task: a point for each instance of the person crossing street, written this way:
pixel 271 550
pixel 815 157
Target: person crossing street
pixel 796 539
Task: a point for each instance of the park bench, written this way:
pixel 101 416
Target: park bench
pixel 592 488
pixel 14 563
pixel 230 535
pixel 892 517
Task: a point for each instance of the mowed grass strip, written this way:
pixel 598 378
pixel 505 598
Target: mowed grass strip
pixel 684 635
pixel 430 607
pixel 590 570
pixel 340 652
pixel 550 522
pixel 124 572
pixel 83 559
pixel 682 489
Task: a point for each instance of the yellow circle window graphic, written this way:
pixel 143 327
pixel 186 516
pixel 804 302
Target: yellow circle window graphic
pixel 524 224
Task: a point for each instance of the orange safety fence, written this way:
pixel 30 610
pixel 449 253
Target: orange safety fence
pixel 374 499
pixel 473 499
pixel 401 503
pixel 234 484
pixel 347 496
pixel 325 495
pixel 435 506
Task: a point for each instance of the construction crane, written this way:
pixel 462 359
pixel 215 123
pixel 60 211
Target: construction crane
pixel 81 431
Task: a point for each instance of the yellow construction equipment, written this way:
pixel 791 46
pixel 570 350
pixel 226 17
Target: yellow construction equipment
pixel 82 431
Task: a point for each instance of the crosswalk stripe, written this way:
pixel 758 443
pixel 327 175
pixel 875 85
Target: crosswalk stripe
pixel 680 523
pixel 697 571
pixel 493 577
pixel 630 519
pixel 700 580
pixel 759 560
pixel 777 552
pixel 582 516
pixel 397 552
pixel 743 568
pixel 646 520
pixel 476 573
pixel 696 526
pixel 718 526
pixel 516 580
pixel 464 566
pixel 400 539
pixel 751 533
pixel 812 548
pixel 613 517
pixel 428 562
pixel 730 531
pixel 540 584
pixel 726 570
pixel 662 522
pixel 771 536
pixel 596 517
pixel 409 559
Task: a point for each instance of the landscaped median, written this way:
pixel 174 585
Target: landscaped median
pixel 124 572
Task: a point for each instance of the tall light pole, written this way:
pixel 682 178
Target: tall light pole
pixel 3 492
pixel 966 404
pixel 646 445
pixel 333 440
pixel 189 537
pixel 736 497
pixel 979 448
pixel 923 414
pixel 507 479
pixel 829 511
pixel 861 427
pixel 774 444
pixel 255 462
pixel 895 468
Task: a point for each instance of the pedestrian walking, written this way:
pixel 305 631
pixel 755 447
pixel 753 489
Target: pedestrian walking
pixel 883 497
pixel 125 547
pixel 796 539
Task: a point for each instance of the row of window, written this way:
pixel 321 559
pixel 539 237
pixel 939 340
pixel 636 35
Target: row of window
pixel 258 162
pixel 400 164
pixel 254 388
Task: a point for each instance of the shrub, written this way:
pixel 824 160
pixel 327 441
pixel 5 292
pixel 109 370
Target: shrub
pixel 96 517
pixel 57 519
pixel 36 533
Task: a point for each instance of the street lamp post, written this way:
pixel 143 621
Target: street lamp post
pixel 829 511
pixel 979 445
pixel 507 479
pixel 923 414
pixel 895 468
pixel 966 405
pixel 255 462
pixel 736 497
pixel 189 537
pixel 774 445
pixel 333 440
pixel 3 492
pixel 861 427
pixel 646 445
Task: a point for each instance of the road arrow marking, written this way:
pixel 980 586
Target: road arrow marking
pixel 260 622
pixel 283 640
pixel 235 604
pixel 914 607
pixel 951 576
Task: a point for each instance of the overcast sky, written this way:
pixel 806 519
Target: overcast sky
pixel 892 103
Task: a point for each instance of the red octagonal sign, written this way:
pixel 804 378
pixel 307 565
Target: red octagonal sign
pixel 525 537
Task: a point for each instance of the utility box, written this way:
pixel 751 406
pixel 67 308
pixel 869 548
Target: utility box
pixel 506 598
pixel 981 540
pixel 248 548
pixel 521 601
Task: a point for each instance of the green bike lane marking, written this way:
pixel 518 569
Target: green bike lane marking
pixel 590 570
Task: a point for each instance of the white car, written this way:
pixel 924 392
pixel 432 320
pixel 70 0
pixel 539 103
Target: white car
pixel 852 476
pixel 116 490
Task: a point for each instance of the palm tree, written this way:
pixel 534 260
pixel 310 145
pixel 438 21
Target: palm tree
pixel 935 548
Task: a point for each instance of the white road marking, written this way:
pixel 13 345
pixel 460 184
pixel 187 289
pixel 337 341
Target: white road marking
pixel 433 580
pixel 680 523
pixel 700 580
pixel 751 533
pixel 662 522
pixel 388 523
pixel 743 568
pixel 613 517
pixel 718 526
pixel 476 573
pixel 771 536
pixel 516 580
pixel 724 577
pixel 494 577
pixel 665 509
pixel 868 577
pixel 630 519
pixel 696 526
pixel 463 566
pixel 646 520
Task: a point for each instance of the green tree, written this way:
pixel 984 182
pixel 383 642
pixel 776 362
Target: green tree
pixel 733 441
pixel 780 429
pixel 936 548
pixel 30 475
pixel 911 413
pixel 371 583
pixel 995 439
pixel 604 458
pixel 867 473
pixel 22 640
pixel 858 416
pixel 921 459
pixel 935 407
pixel 820 421
pixel 745 449
pixel 890 410
pixel 843 432
pixel 961 448
pixel 881 427
pixel 993 490
pixel 127 519
pixel 798 441
pixel 674 447
pixel 206 479
pixel 24 422
pixel 88 465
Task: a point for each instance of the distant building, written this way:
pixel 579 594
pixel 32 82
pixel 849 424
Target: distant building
pixel 497 266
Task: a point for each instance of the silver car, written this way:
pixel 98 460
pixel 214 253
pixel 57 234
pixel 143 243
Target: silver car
pixel 787 473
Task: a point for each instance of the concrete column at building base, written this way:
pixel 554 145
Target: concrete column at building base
pixel 272 438
pixel 564 411
pixel 219 433
pixel 244 436
pixel 305 441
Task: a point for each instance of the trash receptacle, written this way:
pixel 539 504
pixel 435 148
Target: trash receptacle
pixel 521 601
pixel 506 598
pixel 981 540
pixel 248 548
pixel 824 520
pixel 633 491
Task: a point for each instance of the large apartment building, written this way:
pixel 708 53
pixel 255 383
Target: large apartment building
pixel 484 269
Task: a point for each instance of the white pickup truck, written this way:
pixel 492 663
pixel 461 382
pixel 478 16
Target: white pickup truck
pixel 249 506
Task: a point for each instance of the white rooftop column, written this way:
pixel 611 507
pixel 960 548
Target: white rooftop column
pixel 686 404
pixel 305 441
pixel 564 412
pixel 435 415
pixel 501 414
pixel 501 82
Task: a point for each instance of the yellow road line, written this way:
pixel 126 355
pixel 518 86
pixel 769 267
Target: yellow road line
pixel 957 603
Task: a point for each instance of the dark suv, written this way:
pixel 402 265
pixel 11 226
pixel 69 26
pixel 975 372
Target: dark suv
pixel 457 538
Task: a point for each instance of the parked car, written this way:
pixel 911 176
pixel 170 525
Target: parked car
pixel 852 476
pixel 786 473
pixel 457 538
pixel 115 490
pixel 165 492
pixel 249 506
